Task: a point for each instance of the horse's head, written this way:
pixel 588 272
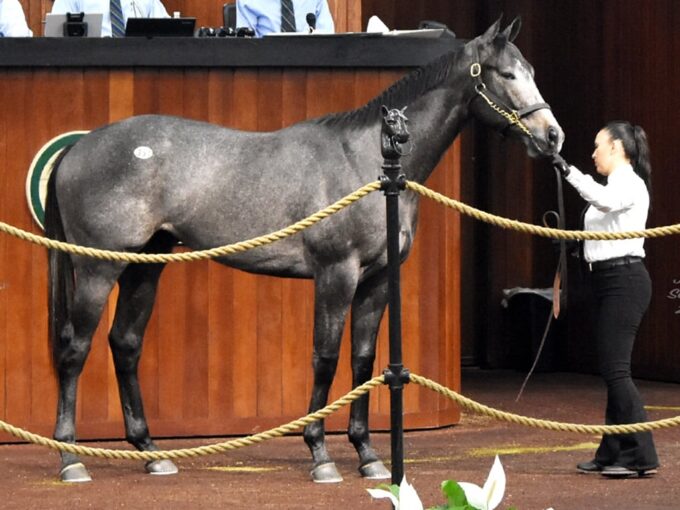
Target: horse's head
pixel 506 96
pixel 394 133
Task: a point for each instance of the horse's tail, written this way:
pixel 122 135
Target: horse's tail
pixel 60 267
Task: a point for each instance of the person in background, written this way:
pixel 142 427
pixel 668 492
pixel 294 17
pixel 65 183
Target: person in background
pixel 12 20
pixel 273 16
pixel 129 8
pixel 621 285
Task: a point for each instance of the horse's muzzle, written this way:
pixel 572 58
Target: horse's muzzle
pixel 547 141
pixel 554 138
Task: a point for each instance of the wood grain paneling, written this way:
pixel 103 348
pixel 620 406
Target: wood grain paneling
pixel 225 352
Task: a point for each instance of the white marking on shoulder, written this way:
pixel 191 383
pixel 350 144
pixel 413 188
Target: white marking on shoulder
pixel 143 152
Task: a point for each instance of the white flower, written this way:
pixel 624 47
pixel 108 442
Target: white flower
pixel 490 496
pixel 408 498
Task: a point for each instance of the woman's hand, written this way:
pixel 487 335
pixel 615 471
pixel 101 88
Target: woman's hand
pixel 560 164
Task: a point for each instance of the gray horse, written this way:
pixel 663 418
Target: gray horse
pixel 145 183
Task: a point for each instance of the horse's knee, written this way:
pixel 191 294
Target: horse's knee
pixel 126 350
pixel 324 368
pixel 70 351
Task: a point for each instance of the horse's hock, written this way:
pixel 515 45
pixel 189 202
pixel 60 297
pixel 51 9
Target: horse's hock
pixel 225 352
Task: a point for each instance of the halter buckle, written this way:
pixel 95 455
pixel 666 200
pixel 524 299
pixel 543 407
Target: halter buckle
pixel 475 70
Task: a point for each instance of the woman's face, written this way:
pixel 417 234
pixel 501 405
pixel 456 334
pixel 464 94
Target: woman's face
pixel 603 155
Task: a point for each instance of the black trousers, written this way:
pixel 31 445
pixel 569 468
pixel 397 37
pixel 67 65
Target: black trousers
pixel 622 294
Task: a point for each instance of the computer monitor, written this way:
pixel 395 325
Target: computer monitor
pixel 160 27
pixel 54 25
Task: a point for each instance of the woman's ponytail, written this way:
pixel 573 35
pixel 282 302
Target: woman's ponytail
pixel 634 141
pixel 641 163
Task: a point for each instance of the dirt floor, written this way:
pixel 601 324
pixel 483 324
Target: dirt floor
pixel 539 464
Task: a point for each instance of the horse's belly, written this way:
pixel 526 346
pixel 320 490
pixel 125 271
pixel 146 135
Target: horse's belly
pixel 269 261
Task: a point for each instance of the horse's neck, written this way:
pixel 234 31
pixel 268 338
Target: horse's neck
pixel 435 119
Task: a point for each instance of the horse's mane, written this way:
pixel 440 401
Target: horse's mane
pixel 399 94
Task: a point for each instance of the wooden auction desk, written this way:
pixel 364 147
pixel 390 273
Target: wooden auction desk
pixel 225 352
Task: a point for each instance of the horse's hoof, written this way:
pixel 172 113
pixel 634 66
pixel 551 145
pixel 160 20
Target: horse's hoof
pixel 375 470
pixel 74 473
pixel 161 467
pixel 326 473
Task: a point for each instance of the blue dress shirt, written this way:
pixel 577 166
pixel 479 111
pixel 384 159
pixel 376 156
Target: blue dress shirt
pixel 264 16
pixel 131 9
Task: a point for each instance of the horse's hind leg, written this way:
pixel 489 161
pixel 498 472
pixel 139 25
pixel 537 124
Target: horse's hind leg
pixel 95 280
pixel 367 310
pixel 136 297
pixel 334 289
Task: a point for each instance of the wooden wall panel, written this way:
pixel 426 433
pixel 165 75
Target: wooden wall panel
pixel 225 352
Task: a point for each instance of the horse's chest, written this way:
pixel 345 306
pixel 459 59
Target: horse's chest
pixel 407 230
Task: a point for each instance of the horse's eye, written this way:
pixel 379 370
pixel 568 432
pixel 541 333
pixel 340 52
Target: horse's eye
pixel 508 76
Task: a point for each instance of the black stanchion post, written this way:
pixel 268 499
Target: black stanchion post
pixel 395 375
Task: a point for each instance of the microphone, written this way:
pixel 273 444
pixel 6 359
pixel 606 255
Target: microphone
pixel 311 21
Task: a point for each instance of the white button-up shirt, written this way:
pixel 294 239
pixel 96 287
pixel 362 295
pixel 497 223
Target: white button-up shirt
pixel 131 9
pixel 264 16
pixel 12 20
pixel 620 205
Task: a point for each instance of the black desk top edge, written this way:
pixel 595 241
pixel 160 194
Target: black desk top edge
pixel 339 50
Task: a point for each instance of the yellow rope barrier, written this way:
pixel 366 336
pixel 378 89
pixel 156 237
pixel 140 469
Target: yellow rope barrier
pixel 186 453
pixel 221 251
pixel 543 424
pixel 353 395
pixel 554 233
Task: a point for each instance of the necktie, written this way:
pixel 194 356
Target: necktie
pixel 287 16
pixel 117 20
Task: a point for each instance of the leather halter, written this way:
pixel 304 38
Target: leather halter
pixel 512 117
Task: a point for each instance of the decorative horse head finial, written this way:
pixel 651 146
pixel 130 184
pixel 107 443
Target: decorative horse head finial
pixel 394 134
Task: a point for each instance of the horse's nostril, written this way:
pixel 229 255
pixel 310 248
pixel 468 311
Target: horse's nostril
pixel 553 136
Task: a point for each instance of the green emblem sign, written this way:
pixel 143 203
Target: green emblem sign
pixel 40 170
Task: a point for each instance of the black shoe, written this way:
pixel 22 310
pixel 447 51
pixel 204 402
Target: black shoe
pixel 589 467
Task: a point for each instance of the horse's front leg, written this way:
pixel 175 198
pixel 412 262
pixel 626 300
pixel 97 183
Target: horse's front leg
pixel 334 289
pixel 138 286
pixel 368 308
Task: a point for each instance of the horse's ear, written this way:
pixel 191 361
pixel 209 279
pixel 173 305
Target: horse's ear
pixel 384 110
pixel 511 30
pixel 491 32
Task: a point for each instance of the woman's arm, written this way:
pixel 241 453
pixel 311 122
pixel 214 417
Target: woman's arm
pixel 612 197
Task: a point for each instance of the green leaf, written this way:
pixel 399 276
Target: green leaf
pixel 454 494
pixel 393 489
